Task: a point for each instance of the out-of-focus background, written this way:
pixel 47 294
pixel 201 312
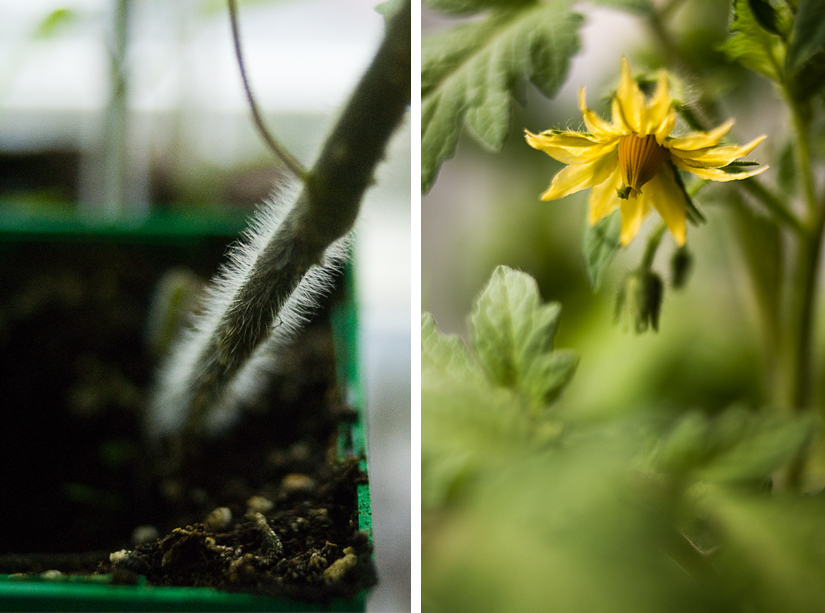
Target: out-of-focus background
pixel 82 88
pixel 484 210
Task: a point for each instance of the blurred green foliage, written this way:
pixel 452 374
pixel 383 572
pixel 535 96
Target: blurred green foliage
pixel 527 508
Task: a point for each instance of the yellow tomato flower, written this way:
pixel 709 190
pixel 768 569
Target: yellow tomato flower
pixel 630 162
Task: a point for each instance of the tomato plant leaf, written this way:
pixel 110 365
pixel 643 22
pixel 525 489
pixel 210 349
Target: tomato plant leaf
pixel 512 336
pixel 470 73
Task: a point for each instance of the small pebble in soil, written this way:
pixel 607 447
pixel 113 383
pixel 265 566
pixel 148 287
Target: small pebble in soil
pixel 259 504
pixel 218 520
pixel 221 550
pixel 317 561
pixel 128 562
pixel 272 542
pixel 299 524
pixel 51 574
pixel 118 557
pixel 241 569
pixel 338 569
pixel 297 482
pixel 321 516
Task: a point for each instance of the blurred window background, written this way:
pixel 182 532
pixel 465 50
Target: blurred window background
pixel 119 108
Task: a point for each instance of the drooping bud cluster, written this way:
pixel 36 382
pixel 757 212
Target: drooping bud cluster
pixel 640 300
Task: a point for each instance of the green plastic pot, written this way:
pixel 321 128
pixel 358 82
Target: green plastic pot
pixel 189 234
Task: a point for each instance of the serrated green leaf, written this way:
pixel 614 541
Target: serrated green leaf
pixel 444 355
pixel 736 446
pixel 600 245
pixel 752 46
pixel 512 337
pixel 549 374
pixel 637 7
pixel 808 33
pixel 461 419
pixel 466 427
pixel 766 15
pixel 471 421
pixel 470 7
pixel 756 447
pixel 470 74
pixel 510 326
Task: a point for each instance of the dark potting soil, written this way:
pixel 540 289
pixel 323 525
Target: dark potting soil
pixel 267 507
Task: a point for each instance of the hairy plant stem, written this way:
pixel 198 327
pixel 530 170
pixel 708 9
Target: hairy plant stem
pixel 800 358
pixel 802 128
pixel 805 295
pixel 794 390
pixel 807 267
pixel 324 212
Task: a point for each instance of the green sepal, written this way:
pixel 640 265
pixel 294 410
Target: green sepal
pixel 639 301
pixel 735 166
pixel 681 263
pixel 693 214
pixel 600 246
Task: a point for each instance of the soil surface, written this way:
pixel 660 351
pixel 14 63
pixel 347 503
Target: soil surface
pixel 268 507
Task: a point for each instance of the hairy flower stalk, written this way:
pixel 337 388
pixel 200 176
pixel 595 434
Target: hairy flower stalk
pixel 631 162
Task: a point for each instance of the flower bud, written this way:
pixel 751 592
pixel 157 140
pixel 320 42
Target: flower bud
pixel 639 300
pixel 680 266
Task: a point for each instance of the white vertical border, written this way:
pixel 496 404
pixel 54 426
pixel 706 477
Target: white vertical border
pixel 415 311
